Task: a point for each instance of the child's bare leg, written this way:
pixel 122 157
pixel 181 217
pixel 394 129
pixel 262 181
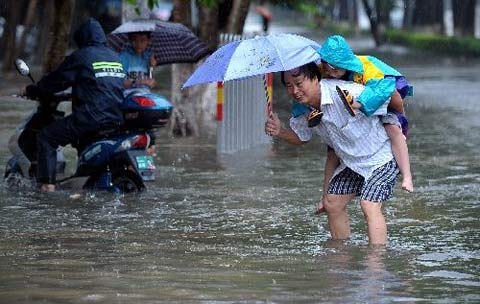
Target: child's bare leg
pixel 396 102
pixel 400 152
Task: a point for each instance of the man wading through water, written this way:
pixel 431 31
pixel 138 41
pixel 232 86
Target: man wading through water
pixel 359 154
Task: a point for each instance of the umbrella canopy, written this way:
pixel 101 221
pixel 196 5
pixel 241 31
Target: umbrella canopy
pixel 170 42
pixel 255 56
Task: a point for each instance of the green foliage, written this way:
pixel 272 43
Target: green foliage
pixel 151 3
pixel 308 7
pixel 210 3
pixel 343 29
pixel 462 46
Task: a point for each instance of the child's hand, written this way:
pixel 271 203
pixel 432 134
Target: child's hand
pixel 153 61
pixel 319 208
pixel 150 82
pixel 151 151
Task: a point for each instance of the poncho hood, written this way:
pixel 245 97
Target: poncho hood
pixel 336 51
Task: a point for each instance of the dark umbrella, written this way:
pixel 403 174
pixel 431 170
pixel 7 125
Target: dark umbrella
pixel 170 42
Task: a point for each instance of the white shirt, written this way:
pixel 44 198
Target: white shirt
pixel 360 142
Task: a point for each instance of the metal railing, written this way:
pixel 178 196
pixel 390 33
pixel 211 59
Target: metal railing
pixel 241 110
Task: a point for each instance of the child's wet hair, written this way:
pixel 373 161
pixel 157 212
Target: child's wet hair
pixel 130 35
pixel 310 70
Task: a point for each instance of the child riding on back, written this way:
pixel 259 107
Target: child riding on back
pixel 382 83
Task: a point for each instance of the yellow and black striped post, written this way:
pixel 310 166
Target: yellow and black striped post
pixel 219 101
pixel 268 84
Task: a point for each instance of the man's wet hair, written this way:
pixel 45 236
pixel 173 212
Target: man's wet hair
pixel 310 70
pixel 148 34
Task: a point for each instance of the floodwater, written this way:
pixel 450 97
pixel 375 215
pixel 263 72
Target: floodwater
pixel 240 228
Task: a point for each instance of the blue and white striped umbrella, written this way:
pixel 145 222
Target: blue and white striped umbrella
pixel 256 56
pixel 170 42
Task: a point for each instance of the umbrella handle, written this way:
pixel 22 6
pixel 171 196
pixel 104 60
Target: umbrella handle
pixel 267 84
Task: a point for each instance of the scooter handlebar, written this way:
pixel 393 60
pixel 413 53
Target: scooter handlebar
pixel 50 98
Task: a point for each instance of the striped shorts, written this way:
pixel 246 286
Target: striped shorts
pixel 378 188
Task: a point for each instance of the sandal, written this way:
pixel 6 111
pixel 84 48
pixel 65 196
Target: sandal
pixel 314 118
pixel 347 100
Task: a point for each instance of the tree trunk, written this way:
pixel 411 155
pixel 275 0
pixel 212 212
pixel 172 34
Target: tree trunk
pixel 353 16
pixel 60 31
pixel 382 9
pixel 208 30
pixel 184 117
pixel 9 37
pixel 476 27
pixel 374 25
pixel 224 9
pixel 448 25
pixel 44 37
pixel 428 14
pixel 182 12
pixel 210 18
pixel 237 17
pixel 188 104
pixel 464 17
pixel 408 14
pixel 31 10
pixel 344 10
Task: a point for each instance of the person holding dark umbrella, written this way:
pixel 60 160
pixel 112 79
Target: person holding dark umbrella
pixel 138 63
pixel 170 42
pixel 144 44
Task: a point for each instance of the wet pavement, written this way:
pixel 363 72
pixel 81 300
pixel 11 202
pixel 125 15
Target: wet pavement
pixel 240 228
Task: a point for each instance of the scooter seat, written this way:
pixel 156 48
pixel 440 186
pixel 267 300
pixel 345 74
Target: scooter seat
pixel 105 131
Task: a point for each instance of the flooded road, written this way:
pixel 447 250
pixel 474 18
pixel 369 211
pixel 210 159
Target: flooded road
pixel 240 228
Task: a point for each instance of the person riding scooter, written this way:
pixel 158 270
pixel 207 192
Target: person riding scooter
pixel 95 74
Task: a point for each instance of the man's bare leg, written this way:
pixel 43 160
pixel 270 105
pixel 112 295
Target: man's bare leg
pixel 47 188
pixel 336 208
pixel 376 226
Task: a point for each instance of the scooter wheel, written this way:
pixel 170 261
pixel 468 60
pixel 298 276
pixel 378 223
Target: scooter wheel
pixel 127 182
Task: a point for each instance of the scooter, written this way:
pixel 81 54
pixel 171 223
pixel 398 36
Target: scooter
pixel 112 159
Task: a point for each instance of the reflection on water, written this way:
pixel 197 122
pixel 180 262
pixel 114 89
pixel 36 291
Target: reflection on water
pixel 241 227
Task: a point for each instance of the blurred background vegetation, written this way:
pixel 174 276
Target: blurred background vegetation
pixel 40 28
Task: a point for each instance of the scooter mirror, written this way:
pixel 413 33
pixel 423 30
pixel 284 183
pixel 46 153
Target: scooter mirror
pixel 22 67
